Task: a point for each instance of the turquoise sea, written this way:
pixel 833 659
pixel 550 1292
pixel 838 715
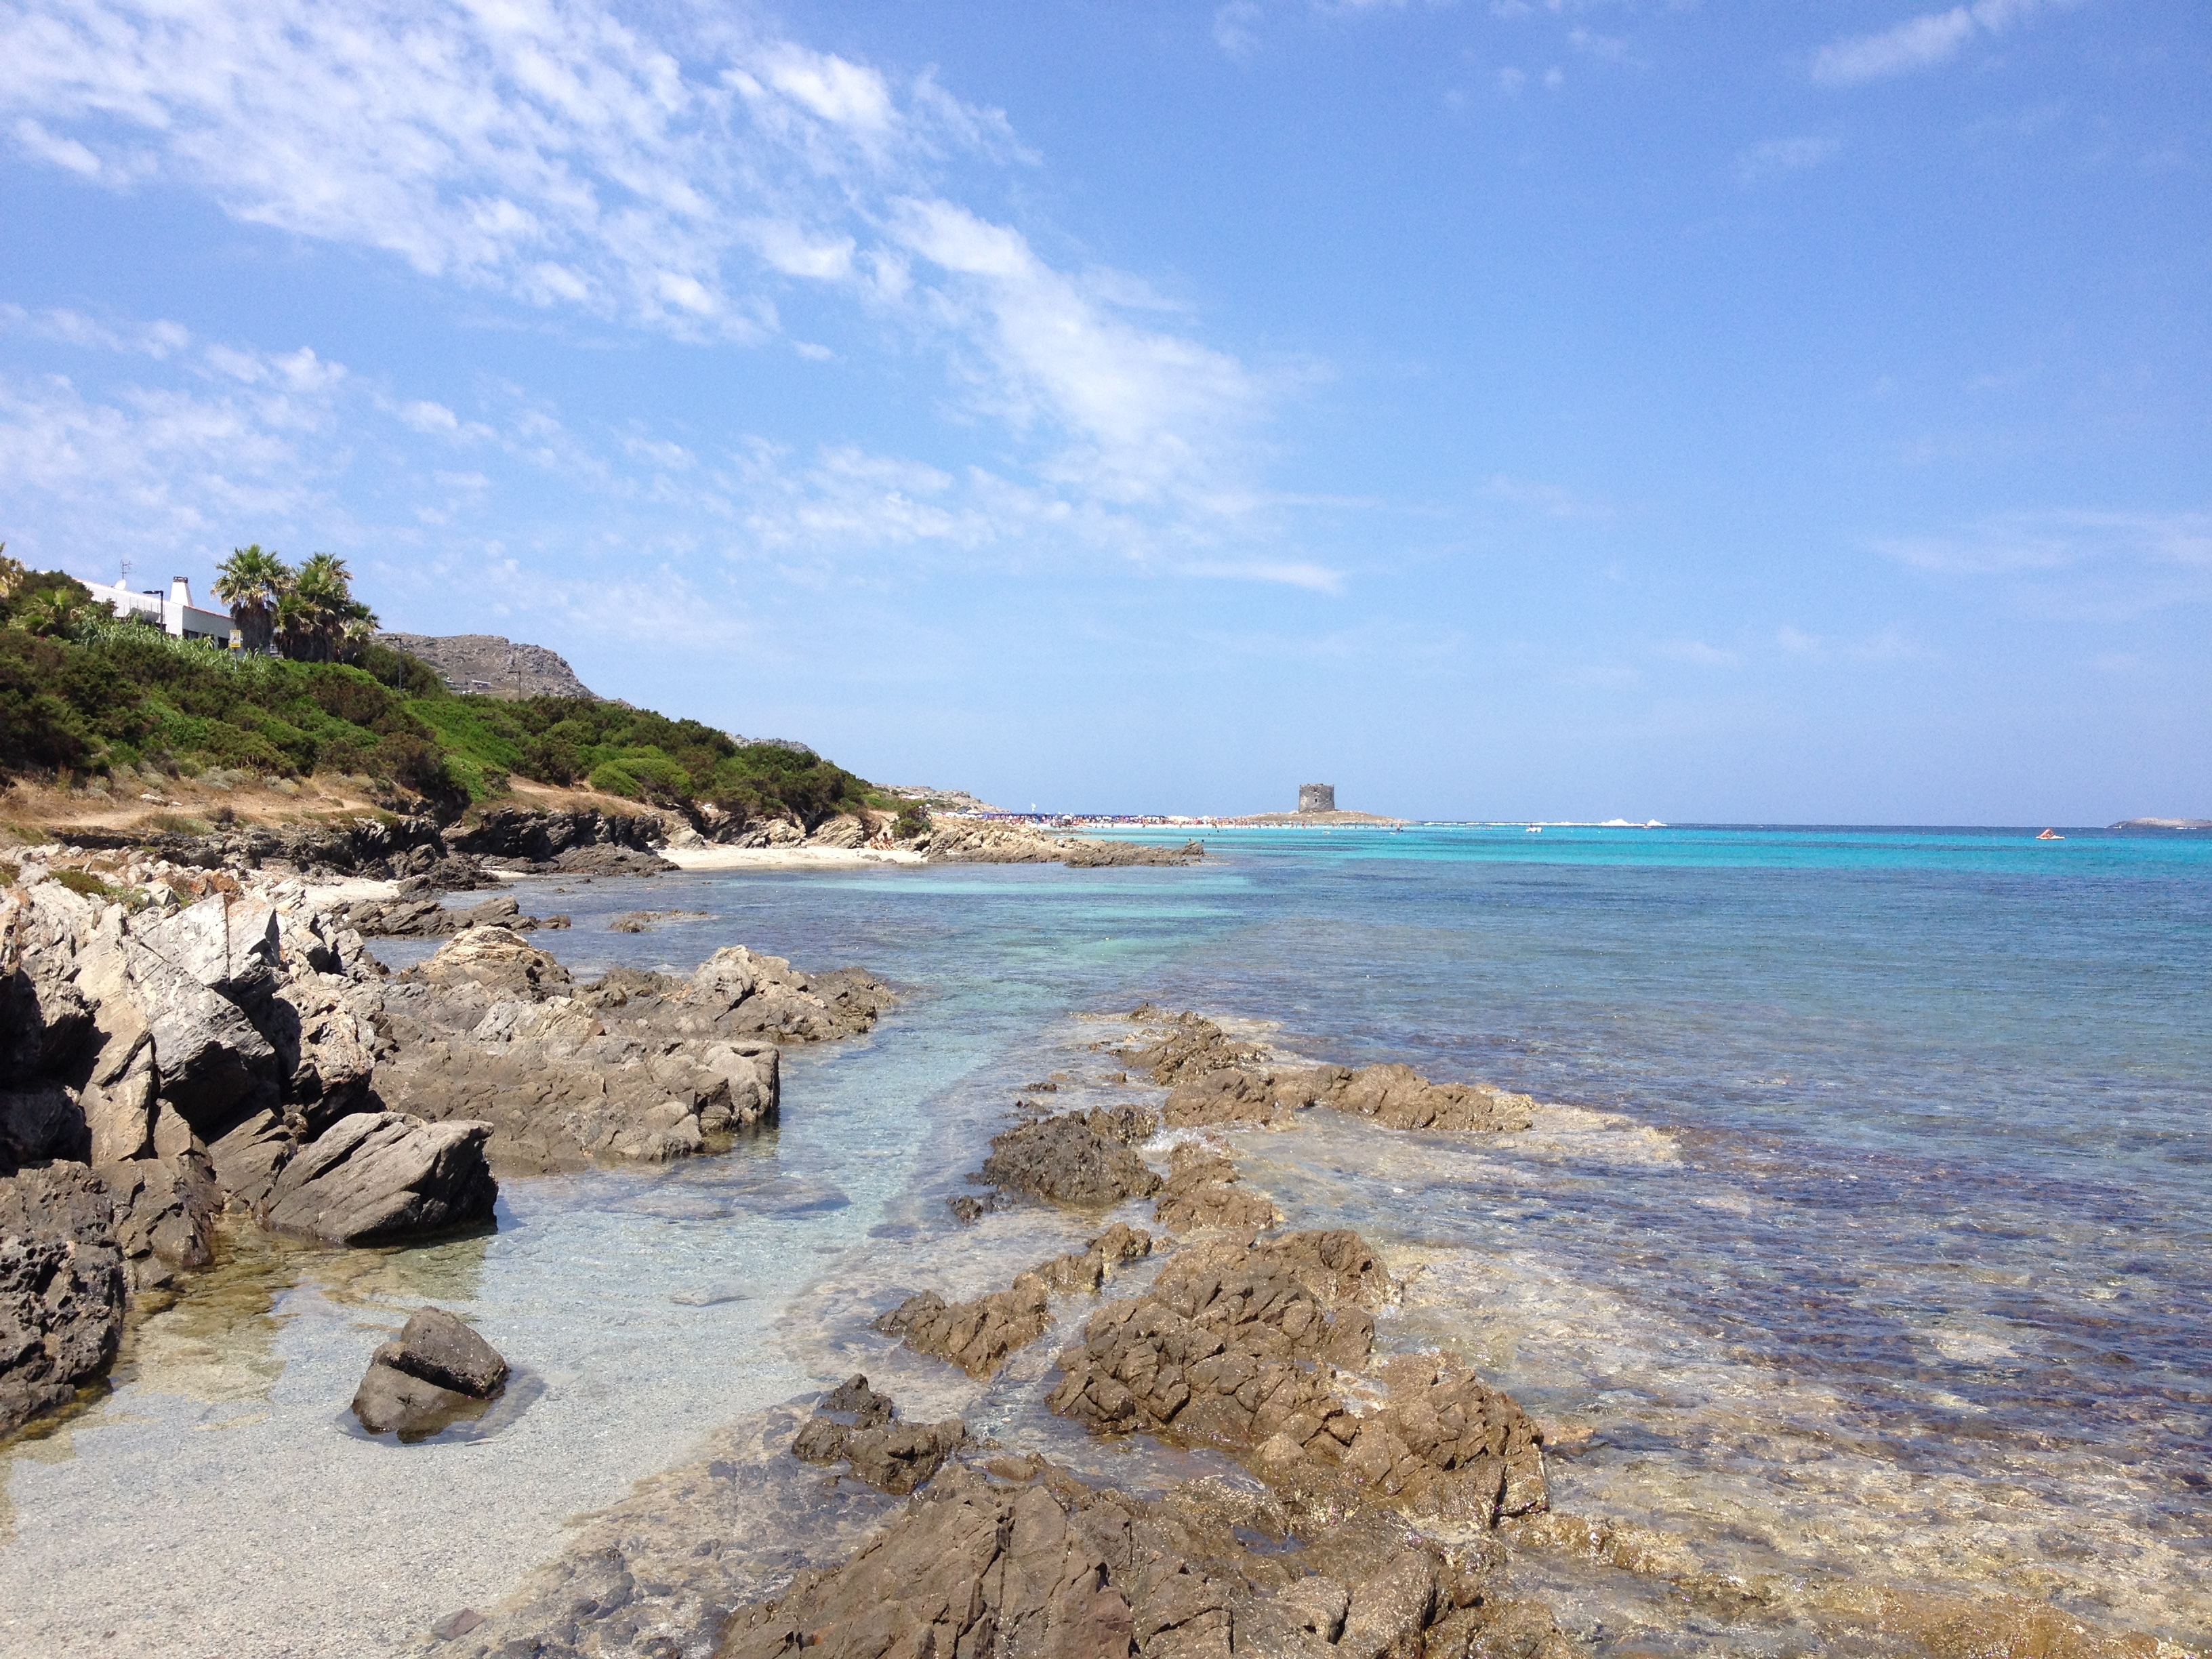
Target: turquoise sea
pixel 1863 1242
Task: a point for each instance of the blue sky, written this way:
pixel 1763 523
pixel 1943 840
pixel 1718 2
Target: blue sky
pixel 1574 409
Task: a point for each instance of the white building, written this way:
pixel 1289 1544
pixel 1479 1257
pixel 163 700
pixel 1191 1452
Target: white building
pixel 176 613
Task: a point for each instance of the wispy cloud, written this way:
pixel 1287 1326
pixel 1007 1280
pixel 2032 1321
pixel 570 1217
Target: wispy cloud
pixel 680 183
pixel 1554 500
pixel 2018 544
pixel 1889 645
pixel 1772 156
pixel 1236 27
pixel 1917 43
pixel 1697 653
pixel 2105 566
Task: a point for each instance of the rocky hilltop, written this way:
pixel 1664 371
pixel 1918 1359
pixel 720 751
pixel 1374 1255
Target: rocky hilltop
pixel 491 667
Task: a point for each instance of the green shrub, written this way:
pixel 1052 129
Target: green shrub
pixel 87 691
pixel 84 882
pixel 614 780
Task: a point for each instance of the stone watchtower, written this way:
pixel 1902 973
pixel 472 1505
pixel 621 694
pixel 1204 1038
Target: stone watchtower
pixel 1317 797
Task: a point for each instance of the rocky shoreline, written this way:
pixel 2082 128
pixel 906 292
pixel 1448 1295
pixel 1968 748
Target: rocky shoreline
pixel 1249 1340
pixel 589 843
pixel 186 1042
pixel 181 1043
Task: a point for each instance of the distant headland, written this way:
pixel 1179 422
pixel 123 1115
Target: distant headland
pixel 1316 806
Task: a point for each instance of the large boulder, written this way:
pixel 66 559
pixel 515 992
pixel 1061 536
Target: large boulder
pixel 497 959
pixel 62 1288
pixel 377 1176
pixel 438 1371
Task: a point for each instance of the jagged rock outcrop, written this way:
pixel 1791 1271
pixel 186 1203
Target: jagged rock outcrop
pixel 636 1066
pixel 1065 1160
pixel 1019 1558
pixel 425 918
pixel 1236 1346
pixel 380 847
pixel 974 1335
pixel 1088 1269
pixel 438 1371
pixel 1186 1046
pixel 1218 1081
pixel 374 1176
pixel 62 1288
pixel 1204 1191
pixel 446 857
pixel 214 1037
pixel 984 841
pixel 574 843
pixel 857 1426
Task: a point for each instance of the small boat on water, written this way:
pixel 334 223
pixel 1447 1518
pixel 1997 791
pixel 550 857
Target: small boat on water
pixel 1536 829
pixel 2050 835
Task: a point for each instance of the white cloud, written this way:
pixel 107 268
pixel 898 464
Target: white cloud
pixel 1316 578
pixel 1887 646
pixel 156 340
pixel 62 152
pixel 551 151
pixel 2027 544
pixel 1235 29
pixel 1554 500
pixel 568 158
pixel 1697 653
pixel 1917 43
pixel 1772 156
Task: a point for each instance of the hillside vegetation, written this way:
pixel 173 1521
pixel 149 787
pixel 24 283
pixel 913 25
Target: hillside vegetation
pixel 82 693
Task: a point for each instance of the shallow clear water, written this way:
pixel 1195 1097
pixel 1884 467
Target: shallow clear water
pixel 1868 1242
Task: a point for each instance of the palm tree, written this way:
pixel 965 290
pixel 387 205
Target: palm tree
pixel 253 583
pixel 318 616
pixel 53 610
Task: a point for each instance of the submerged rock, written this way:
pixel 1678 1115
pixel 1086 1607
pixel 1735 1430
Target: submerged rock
pixel 974 1335
pixel 1067 1161
pixel 856 1425
pixel 438 1372
pixel 1203 1191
